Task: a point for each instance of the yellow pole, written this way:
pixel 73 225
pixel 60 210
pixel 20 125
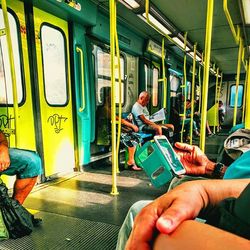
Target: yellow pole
pixel 184 85
pixel 199 77
pixel 245 91
pixel 209 26
pixel 120 91
pixel 164 74
pixel 216 101
pixel 112 5
pixel 192 96
pixel 12 69
pixel 247 112
pixel 237 82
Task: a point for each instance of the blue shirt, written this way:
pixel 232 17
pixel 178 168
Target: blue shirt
pixel 240 168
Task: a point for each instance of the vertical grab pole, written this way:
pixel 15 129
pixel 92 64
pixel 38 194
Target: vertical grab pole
pixel 12 69
pixel 184 85
pixel 245 91
pixel 247 112
pixel 164 73
pixel 120 91
pixel 216 101
pixel 209 26
pixel 237 81
pixel 113 105
pixel 192 96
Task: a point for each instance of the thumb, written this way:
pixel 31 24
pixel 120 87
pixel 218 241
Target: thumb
pixel 172 218
pixel 183 146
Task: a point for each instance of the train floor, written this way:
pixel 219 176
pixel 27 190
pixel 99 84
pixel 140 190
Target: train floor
pixel 78 211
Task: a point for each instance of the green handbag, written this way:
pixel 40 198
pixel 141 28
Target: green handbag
pixel 4 234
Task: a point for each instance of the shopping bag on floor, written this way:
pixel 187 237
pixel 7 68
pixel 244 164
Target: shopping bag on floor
pixel 18 220
pixel 4 234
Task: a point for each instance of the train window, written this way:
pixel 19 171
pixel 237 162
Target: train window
pixel 155 87
pixel 174 84
pixel 104 76
pixel 232 96
pixel 6 96
pixel 54 65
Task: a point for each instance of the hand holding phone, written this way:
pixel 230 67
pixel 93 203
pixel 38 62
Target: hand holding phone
pixel 169 154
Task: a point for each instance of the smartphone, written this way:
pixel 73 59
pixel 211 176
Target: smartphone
pixel 169 154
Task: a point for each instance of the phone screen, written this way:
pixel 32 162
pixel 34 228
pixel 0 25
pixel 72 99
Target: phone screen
pixel 170 154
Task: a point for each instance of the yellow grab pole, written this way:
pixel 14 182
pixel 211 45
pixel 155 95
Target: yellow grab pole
pixel 245 91
pixel 209 26
pixel 120 90
pixel 237 82
pixel 216 100
pixel 247 111
pixel 164 73
pixel 184 85
pixel 192 96
pixel 12 69
pixel 112 5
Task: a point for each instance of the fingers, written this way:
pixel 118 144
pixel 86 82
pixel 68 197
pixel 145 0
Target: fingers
pixel 184 146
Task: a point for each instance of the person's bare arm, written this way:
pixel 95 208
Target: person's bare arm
pixel 4 152
pixel 193 235
pixel 129 124
pixel 182 203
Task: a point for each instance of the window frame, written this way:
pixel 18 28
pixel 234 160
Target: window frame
pixel 21 60
pixel 230 96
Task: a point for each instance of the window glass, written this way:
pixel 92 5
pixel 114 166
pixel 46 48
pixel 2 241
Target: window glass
pixel 232 95
pixel 155 87
pixel 54 65
pixel 104 76
pixel 174 84
pixel 6 96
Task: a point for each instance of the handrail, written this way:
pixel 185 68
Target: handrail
pixel 192 96
pixel 83 103
pixel 216 101
pixel 237 82
pixel 230 22
pixel 112 7
pixel 184 85
pixel 12 70
pixel 164 73
pixel 244 95
pixel 209 25
pixel 120 91
pixel 247 112
pixel 199 80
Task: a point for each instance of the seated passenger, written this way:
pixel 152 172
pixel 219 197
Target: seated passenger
pixel 221 114
pixel 141 116
pixel 26 165
pixel 196 163
pixel 223 203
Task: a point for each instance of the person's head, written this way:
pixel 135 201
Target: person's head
pixel 143 98
pixel 188 104
pixel 220 103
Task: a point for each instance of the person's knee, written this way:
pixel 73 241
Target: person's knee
pixel 33 164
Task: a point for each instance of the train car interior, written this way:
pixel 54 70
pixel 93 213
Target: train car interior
pixel 59 59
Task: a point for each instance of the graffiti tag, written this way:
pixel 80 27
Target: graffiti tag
pixel 56 122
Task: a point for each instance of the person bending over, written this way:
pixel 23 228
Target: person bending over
pixel 26 165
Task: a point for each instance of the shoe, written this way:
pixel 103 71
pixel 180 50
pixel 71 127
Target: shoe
pixel 134 167
pixel 211 134
pixel 36 222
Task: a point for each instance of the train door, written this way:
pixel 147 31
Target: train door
pixel 55 95
pixel 25 134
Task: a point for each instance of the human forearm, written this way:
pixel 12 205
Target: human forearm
pixel 216 190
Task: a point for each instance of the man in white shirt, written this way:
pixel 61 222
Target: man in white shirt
pixel 142 117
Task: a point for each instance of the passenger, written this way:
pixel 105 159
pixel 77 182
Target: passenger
pixel 221 114
pixel 196 163
pixel 173 214
pixel 141 116
pixel 26 165
pixel 132 127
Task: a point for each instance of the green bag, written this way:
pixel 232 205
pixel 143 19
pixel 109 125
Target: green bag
pixel 4 234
